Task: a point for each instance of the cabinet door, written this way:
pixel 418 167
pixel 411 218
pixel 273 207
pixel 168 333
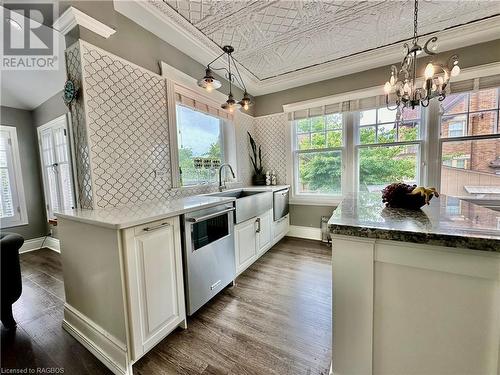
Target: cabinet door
pixel 155 283
pixel 280 228
pixel 245 244
pixel 264 231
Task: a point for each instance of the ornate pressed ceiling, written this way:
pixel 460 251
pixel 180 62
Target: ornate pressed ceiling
pixel 278 40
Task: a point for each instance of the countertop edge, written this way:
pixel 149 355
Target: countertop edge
pixel 434 239
pixel 141 221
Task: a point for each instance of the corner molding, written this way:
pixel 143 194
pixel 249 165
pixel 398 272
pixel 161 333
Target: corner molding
pixel 36 244
pixel 73 17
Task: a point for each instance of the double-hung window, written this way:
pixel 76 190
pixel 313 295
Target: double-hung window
pixel 200 145
pixel 318 150
pixel 470 158
pixel 388 147
pixel 12 203
pixel 56 166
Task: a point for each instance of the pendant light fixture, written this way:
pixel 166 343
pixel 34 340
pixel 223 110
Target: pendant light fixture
pixel 209 83
pixel 403 82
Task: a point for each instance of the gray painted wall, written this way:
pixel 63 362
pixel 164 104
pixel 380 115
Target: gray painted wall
pixel 52 108
pixel 135 44
pixel 309 216
pixel 478 54
pixel 30 166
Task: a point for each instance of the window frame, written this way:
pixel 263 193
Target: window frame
pixel 61 121
pixel 305 198
pixel 436 113
pixel 420 142
pixel 21 218
pixel 228 132
pixel 222 141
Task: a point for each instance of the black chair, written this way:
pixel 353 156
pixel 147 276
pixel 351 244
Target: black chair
pixel 11 286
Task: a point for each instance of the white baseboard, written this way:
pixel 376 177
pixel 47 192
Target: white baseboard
pixel 107 348
pixel 36 243
pixel 309 233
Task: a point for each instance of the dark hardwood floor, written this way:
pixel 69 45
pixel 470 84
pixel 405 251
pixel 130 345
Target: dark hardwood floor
pixel 276 320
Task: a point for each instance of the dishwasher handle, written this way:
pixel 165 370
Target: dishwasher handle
pixel 206 217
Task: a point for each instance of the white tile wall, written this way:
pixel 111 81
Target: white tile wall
pixel 121 133
pixel 271 133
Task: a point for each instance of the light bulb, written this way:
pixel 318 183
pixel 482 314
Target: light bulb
pixel 434 87
pixel 406 87
pixel 392 80
pixel 209 87
pixel 455 71
pixel 429 71
pixel 245 107
pixel 231 108
pixel 387 88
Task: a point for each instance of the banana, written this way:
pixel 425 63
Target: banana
pixel 425 192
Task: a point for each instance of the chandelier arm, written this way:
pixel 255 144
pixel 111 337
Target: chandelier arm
pixel 427 50
pixel 238 74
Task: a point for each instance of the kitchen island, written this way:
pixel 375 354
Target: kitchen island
pixel 415 292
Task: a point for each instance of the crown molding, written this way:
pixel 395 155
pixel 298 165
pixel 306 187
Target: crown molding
pixel 177 31
pixel 73 17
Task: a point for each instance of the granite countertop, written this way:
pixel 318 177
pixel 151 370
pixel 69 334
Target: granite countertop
pixel 447 221
pixel 142 213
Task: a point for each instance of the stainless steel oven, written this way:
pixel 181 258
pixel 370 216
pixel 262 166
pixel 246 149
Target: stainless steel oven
pixel 280 203
pixel 209 260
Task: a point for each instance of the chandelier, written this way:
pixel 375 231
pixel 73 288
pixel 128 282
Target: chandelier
pixel 209 83
pixel 403 82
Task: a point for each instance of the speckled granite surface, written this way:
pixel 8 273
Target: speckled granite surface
pixel 447 221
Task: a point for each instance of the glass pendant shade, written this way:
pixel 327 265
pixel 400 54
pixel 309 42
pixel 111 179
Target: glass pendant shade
pixel 245 102
pixel 208 82
pixel 230 104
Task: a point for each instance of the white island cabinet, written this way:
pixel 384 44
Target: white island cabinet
pixel 123 277
pixel 415 292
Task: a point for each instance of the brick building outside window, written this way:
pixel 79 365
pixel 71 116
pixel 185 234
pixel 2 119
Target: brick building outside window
pixel 471 145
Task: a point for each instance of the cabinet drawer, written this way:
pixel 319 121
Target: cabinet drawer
pixel 280 227
pixel 154 225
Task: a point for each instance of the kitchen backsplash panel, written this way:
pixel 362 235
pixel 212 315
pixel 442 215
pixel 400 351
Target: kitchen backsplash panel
pixel 128 132
pixel 244 124
pixel 121 134
pixel 79 129
pixel 272 133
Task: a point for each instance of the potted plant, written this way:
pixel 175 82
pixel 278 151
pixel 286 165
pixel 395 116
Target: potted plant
pixel 259 178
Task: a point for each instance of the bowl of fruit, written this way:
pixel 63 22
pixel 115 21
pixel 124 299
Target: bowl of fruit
pixel 413 197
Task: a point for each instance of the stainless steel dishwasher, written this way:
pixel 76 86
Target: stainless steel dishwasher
pixel 280 203
pixel 208 247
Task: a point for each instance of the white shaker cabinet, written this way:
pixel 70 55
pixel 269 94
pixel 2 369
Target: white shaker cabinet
pixel 252 239
pixel 245 238
pixel 264 230
pixel 154 274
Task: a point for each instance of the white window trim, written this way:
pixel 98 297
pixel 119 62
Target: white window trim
pixel 297 197
pixel 18 175
pixel 57 121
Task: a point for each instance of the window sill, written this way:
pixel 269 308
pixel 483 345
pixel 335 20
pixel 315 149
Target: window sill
pixel 315 201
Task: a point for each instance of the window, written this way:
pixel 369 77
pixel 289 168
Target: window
pixel 12 203
pixel 388 147
pixel 318 150
pixel 200 145
pixel 56 166
pixel 470 167
pixel 456 129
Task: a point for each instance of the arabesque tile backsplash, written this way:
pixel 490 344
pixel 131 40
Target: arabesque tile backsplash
pixel 121 134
